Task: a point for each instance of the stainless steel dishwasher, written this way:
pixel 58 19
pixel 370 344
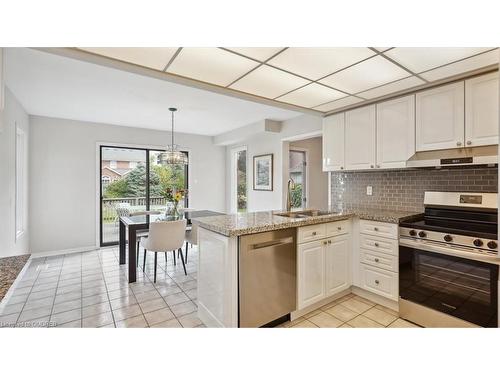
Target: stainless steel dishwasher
pixel 267 277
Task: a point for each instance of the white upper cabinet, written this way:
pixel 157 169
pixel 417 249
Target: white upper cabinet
pixel 481 110
pixel 360 134
pixel 333 142
pixel 395 132
pixel 440 118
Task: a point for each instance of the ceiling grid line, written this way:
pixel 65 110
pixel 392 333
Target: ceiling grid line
pixel 172 59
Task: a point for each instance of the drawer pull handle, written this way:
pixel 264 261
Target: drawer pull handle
pixel 377 260
pixel 376 244
pixel 314 233
pixel 329 241
pixel 325 242
pixel 375 229
pixel 339 228
pixel 377 282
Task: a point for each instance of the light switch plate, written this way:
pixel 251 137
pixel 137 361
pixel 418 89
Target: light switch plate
pixel 369 190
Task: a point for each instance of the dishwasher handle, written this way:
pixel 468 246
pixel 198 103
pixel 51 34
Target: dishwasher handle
pixel 265 245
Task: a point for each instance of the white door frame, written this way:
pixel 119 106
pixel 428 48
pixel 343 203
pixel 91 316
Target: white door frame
pixel 233 203
pixel 306 155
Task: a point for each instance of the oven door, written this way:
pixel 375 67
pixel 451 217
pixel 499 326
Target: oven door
pixel 464 288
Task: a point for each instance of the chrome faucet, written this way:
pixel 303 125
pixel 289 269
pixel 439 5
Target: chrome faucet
pixel 290 186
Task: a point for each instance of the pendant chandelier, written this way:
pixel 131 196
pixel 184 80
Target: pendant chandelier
pixel 173 154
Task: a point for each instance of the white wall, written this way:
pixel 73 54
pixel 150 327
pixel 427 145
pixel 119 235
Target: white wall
pixel 63 177
pixel 277 144
pixel 317 180
pixel 13 115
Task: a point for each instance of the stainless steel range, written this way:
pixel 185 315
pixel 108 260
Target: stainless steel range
pixel 448 262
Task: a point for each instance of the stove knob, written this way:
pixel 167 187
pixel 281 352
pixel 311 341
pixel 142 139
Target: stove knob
pixel 477 242
pixel 413 232
pixel 492 245
pixel 448 238
pixel 422 234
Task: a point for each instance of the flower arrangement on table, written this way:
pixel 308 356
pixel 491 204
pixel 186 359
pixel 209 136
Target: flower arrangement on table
pixel 174 196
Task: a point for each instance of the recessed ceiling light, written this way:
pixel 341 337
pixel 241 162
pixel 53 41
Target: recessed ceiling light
pixel 268 82
pixel 419 59
pixel 314 63
pixel 258 53
pixel 151 57
pixel 212 65
pixel 365 75
pixel 392 87
pixel 311 95
pixel 472 63
pixel 344 102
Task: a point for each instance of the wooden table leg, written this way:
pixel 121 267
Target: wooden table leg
pixel 122 242
pixel 132 242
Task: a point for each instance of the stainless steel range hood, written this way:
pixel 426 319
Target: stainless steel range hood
pixel 458 156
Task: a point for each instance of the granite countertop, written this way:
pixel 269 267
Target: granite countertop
pixel 257 222
pixel 9 269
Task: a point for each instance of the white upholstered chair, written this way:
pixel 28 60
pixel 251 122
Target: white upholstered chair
pixel 142 233
pixel 191 238
pixel 164 236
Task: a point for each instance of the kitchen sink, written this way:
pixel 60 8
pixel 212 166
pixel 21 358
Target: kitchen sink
pixel 304 214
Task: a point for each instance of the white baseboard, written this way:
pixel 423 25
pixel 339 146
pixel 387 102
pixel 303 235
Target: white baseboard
pixel 64 251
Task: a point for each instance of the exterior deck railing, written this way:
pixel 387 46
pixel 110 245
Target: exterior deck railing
pixel 109 205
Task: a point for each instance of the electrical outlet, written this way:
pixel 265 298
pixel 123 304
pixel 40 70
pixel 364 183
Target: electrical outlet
pixel 369 190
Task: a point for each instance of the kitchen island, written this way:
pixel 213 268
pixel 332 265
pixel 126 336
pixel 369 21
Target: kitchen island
pixel 219 240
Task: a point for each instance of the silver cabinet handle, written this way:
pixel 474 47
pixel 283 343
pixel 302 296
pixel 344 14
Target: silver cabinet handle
pixel 459 143
pixel 376 260
pixel 341 167
pixel 376 244
pixel 377 282
pixel 314 233
pixel 329 241
pixel 375 229
pixel 339 228
pixel 469 142
pixel 371 166
pixel 325 242
pixel 378 166
pixel 267 244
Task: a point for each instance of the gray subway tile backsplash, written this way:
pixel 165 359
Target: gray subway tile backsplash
pixel 403 189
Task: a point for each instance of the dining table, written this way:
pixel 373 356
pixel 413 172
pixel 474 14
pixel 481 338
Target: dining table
pixel 132 224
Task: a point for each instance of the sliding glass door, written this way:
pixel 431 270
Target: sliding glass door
pixel 132 181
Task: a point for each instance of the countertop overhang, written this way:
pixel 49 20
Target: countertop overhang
pixel 256 222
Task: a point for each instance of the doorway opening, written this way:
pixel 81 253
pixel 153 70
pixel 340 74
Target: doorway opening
pixel 298 173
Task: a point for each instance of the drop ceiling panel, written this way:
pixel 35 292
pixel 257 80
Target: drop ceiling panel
pixel 419 59
pixel 403 84
pixel 258 53
pixel 156 58
pixel 212 65
pixel 268 82
pixel 365 75
pixel 463 66
pixel 311 95
pixel 314 63
pixel 344 102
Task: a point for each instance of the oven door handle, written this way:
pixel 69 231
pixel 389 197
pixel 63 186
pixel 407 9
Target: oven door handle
pixel 448 250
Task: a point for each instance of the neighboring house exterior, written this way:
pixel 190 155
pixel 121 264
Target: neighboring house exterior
pixel 116 163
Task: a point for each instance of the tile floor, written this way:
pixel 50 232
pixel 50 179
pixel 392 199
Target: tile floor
pixel 90 289
pixel 351 311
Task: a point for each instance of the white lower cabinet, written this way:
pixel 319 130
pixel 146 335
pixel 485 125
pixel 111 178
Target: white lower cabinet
pixel 378 258
pixel 337 261
pixel 323 267
pixel 311 271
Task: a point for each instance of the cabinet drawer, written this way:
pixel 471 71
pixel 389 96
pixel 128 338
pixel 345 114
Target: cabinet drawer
pixel 378 228
pixel 379 244
pixel 311 233
pixel 381 282
pixel 379 260
pixel 338 227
